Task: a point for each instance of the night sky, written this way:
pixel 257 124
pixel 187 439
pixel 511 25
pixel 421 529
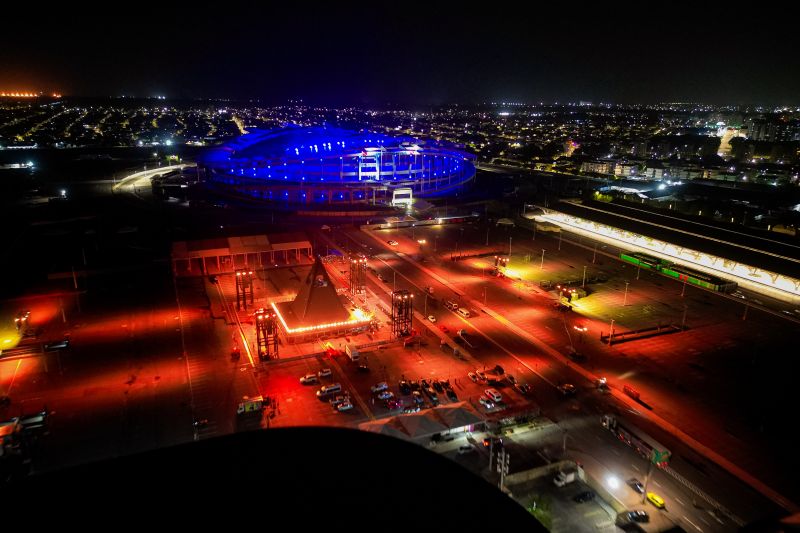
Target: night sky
pixel 408 53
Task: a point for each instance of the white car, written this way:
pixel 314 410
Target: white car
pixel 432 319
pixel 344 406
pixel 324 373
pixel 380 387
pixel 385 395
pixel 494 395
pixel 308 379
pixel 392 243
pixel 486 402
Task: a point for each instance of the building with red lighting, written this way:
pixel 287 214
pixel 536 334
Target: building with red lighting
pixel 317 311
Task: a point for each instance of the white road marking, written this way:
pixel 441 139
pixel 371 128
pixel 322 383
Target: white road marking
pixel 695 525
pixel 635 467
pixel 679 501
pixel 656 483
pixel 615 452
pixel 704 520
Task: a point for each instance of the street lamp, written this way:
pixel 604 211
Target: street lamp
pixel 541 267
pixel 625 300
pixel 583 284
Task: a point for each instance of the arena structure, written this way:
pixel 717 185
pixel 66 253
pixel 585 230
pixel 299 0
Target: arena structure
pixel 324 167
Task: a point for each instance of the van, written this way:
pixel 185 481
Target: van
pixel 329 389
pixel 493 395
pixel 463 312
pixel 450 304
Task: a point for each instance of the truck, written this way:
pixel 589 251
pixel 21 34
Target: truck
pixel 250 406
pixel 564 478
pixel 352 352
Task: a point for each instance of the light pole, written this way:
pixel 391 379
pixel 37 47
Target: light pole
pixel 638 269
pixel 559 239
pixel 509 247
pixel 583 284
pixel 594 257
pixel 625 300
pixel 541 267
pixel 683 291
pixel 611 333
pixel 487 235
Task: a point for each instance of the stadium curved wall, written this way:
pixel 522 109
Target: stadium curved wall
pixel 318 166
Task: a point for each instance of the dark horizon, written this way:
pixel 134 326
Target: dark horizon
pixel 373 55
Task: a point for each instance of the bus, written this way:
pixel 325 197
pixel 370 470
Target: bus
pixel 640 441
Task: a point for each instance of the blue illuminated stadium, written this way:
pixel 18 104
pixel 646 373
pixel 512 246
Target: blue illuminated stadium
pixel 319 166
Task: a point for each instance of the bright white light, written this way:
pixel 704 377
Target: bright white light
pixel 661 187
pixel 613 482
pixel 63 193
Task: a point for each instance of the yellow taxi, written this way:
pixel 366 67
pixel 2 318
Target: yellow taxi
pixel 655 499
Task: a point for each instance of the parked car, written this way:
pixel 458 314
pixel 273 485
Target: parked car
pixel 213 279
pixel 416 396
pixel 636 485
pixel 411 409
pixel 432 319
pixel 567 389
pixel 638 516
pixel 437 385
pixel 380 387
pixel 489 441
pixel 584 496
pixel 511 379
pixel 446 384
pixel 394 403
pixel 344 406
pixel 486 402
pixel 522 388
pixel 473 376
pixel 414 384
pixel 392 243
pixel 57 345
pixel 451 395
pixel 405 388
pixel 363 368
pixel 494 395
pixel 339 399
pixel 309 379
pixel 424 384
pixel 481 375
pixel 432 395
pixel 385 395
pixel 324 373
pixel 465 448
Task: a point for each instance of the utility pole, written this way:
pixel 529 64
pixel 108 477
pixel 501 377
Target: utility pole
pixel 683 291
pixel 625 300
pixel 583 285
pixel 638 269
pixel 559 239
pixel 611 333
pixel 541 267
pixel 594 257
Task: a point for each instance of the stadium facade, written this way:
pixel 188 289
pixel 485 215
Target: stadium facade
pixel 324 167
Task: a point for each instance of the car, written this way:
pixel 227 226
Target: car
pixel 411 409
pixel 567 389
pixel 636 485
pixel 379 387
pixel 344 406
pixel 494 395
pixel 405 388
pixel 414 384
pixel 584 496
pixel 523 388
pixel 473 376
pixel 446 384
pixel 363 368
pixel 432 319
pixel 444 328
pixel 309 379
pixel 481 375
pixel 465 448
pixel 511 379
pixel 638 516
pixel 385 395
pixel 393 403
pixel 392 243
pixel 57 345
pixel 432 395
pixel 655 499
pixel 416 396
pixel 335 401
pixel 451 395
pixel 437 385
pixel 486 402
pixel 324 373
